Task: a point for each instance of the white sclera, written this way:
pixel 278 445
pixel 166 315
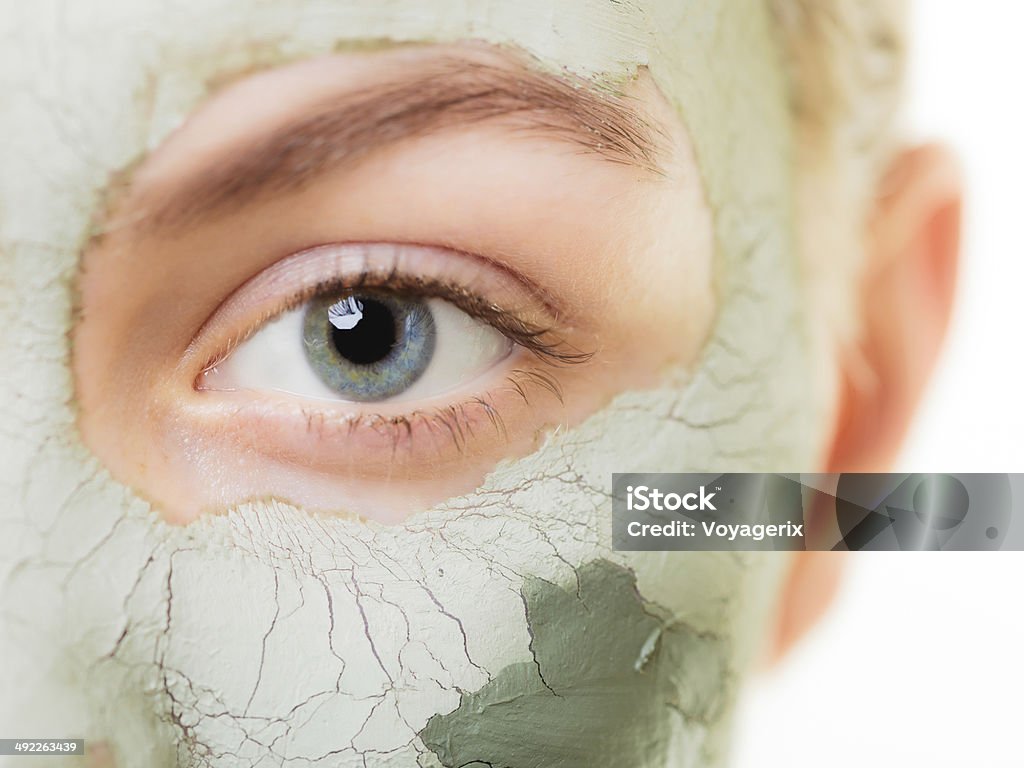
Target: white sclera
pixel 274 358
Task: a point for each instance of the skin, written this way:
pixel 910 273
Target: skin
pixel 269 634
pixel 515 203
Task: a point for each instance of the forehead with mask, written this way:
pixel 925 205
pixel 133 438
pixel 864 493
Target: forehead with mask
pixel 234 533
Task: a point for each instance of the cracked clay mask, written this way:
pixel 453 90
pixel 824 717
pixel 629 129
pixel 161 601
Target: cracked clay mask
pixel 495 628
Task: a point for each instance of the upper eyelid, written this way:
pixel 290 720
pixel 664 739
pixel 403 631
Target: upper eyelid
pixel 318 277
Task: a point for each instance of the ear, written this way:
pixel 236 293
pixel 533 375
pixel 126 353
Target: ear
pixel 906 299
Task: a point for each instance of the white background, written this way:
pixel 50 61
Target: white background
pixel 921 662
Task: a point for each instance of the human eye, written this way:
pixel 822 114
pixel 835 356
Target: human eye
pixel 405 342
pixel 363 345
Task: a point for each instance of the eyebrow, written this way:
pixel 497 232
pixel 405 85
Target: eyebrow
pixel 447 94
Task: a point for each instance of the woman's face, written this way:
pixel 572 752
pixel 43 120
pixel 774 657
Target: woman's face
pixel 367 307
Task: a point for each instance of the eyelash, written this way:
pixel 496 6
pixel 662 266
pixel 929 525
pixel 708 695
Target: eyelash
pixel 454 419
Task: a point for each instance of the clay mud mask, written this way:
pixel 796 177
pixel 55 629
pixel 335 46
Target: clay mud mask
pixel 495 626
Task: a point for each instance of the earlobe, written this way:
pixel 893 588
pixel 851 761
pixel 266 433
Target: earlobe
pixel 906 300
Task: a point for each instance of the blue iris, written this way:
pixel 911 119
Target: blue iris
pixel 368 346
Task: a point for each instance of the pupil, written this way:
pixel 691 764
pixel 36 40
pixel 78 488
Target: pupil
pixel 372 338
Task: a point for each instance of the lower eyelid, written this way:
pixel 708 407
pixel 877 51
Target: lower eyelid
pixel 334 437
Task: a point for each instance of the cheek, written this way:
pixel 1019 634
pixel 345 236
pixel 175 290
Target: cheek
pixel 325 635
